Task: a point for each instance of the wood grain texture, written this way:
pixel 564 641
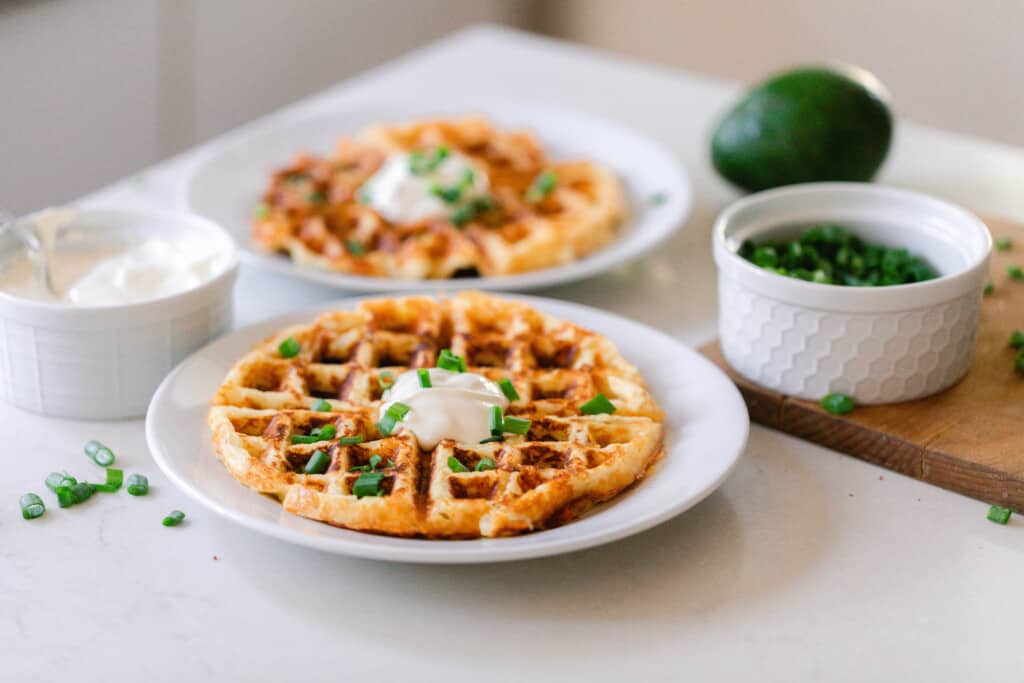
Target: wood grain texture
pixel 969 438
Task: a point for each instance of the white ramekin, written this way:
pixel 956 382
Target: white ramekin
pixel 105 362
pixel 877 344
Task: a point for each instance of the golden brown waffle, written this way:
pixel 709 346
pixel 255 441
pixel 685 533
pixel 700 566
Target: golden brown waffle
pixel 564 464
pixel 311 211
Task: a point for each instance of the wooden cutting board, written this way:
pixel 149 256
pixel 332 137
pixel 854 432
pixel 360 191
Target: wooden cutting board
pixel 968 439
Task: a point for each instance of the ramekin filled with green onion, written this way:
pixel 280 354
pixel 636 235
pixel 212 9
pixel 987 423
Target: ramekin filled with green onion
pixel 852 288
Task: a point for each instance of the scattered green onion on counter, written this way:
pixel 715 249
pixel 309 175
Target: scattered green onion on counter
pixel 289 348
pixel 1018 362
pixel 99 454
pixel 999 514
pixel 32 506
pixel 1017 339
pixel 115 478
pixel 138 485
pixel 988 288
pixel 1015 272
pixel 1004 244
pixel 837 404
pixel 830 254
pixel 597 405
pixel 173 518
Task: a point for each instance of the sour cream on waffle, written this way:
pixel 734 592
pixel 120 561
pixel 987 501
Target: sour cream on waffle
pixel 404 191
pixel 457 406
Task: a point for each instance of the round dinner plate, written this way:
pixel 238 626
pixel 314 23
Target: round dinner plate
pixel 706 430
pixel 227 184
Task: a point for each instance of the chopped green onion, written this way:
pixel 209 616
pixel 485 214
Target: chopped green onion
pixel 452 362
pixel 322 406
pixel 114 479
pixel 99 454
pixel 138 485
pixel 541 187
pixel 262 211
pixel 1017 339
pixel 304 438
pixel 65 497
pixel 597 405
pixel 31 506
pixel 515 425
pixel 999 514
pixel 326 433
pixel 368 484
pixel 317 463
pixel 173 518
pixel 355 248
pixel 837 404
pixel 471 209
pixel 393 415
pixel 375 460
pixel 289 348
pixel 493 439
pixel 424 376
pixel 486 464
pixel 1004 244
pixel 316 197
pixel 421 164
pixel 82 491
pixel 508 389
pixel 363 196
pixel 350 440
pixel 297 177
pixel 55 479
pixel 1018 362
pixel 1015 272
pixel 386 379
pixel 496 419
pixel 391 463
pixel 455 466
pixel 657 199
pixel 988 288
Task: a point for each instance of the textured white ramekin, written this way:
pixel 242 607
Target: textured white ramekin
pixel 105 362
pixel 877 344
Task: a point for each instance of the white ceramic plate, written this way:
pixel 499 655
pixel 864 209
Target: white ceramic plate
pixel 707 429
pixel 227 184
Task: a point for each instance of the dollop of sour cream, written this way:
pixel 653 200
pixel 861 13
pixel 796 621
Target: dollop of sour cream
pixel 457 406
pixel 402 196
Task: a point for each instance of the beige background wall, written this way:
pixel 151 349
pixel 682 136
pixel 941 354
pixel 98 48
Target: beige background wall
pixel 957 64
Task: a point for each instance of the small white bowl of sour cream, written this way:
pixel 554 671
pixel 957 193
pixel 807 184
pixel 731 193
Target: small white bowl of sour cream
pixel 133 293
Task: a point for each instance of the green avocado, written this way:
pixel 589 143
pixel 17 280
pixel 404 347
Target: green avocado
pixel 805 125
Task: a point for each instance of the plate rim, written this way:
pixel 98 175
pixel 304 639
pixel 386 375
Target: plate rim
pixel 486 550
pixel 618 252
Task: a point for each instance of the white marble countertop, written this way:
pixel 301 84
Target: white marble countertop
pixel 805 565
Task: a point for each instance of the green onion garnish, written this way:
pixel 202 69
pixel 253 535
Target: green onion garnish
pixel 1017 339
pixel 657 199
pixel 173 518
pixel 355 248
pixel 138 485
pixel 322 406
pixel 421 164
pixel 452 362
pixel 988 288
pixel 1018 361
pixel 999 514
pixel 262 211
pixel 375 460
pixel 55 479
pixel 471 209
pixel 350 440
pixel 1015 272
pixel 99 454
pixel 363 196
pixel 495 422
pixel 391 463
pixel 289 348
pixel 386 379
pixel 455 466
pixel 326 433
pixel 1004 244
pixel 296 177
pixel 493 439
pixel 368 484
pixel 424 376
pixel 393 415
pixel 303 438
pixel 114 479
pixel 317 463
pixel 65 498
pixel 316 197
pixel 542 186
pixel 837 404
pixel 515 425
pixel 508 389
pixel 597 405
pixel 31 506
pixel 486 464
